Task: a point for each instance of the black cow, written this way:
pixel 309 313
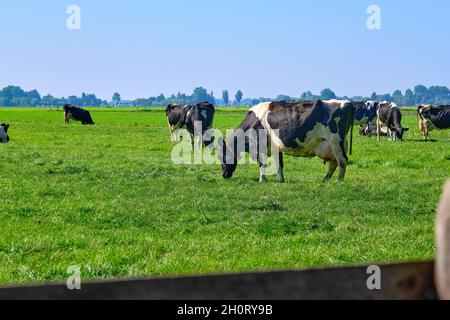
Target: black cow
pixel 299 129
pixel 390 116
pixel 4 138
pixel 187 116
pixel 433 117
pixel 77 114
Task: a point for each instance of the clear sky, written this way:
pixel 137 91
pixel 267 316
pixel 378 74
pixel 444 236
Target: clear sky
pixel 143 48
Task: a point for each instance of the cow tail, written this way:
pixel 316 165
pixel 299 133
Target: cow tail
pixel 352 119
pixel 419 116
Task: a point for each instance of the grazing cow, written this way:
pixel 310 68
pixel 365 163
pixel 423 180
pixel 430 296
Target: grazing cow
pixel 297 128
pixel 4 138
pixel 186 117
pixel 77 114
pixel 390 116
pixel 433 117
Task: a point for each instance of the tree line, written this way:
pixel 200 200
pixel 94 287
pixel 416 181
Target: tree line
pixel 14 96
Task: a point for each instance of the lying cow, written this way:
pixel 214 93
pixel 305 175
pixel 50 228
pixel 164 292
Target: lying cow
pixel 186 117
pixel 4 138
pixel 77 114
pixel 368 132
pixel 433 117
pixel 299 129
pixel 390 116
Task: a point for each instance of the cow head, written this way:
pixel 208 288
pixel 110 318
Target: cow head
pixel 228 158
pixel 5 128
pixel 398 132
pixel 170 107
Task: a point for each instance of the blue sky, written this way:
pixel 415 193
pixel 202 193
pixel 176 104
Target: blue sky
pixel 264 47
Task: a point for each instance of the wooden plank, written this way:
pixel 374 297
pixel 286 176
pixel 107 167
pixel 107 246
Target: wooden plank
pixel 443 246
pixel 403 281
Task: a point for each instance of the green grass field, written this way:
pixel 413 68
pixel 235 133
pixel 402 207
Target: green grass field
pixel 109 199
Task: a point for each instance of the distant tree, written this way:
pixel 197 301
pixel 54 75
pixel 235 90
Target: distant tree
pixel 239 96
pixel 74 100
pixel 409 98
pixel 374 96
pixel 200 94
pixel 283 97
pixel 226 97
pixel 327 94
pixel 439 94
pixel 397 96
pixel 48 100
pixel 308 96
pixel 160 99
pixel 116 97
pixel 421 94
pixel 385 97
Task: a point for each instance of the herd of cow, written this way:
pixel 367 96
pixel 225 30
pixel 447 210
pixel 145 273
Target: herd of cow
pixel 306 129
pixel 297 128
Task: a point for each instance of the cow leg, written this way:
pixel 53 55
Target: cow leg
pixel 200 142
pixel 392 136
pixel 191 136
pixel 333 166
pixel 262 172
pixel 378 129
pixel 341 158
pixel 426 131
pixel 66 118
pixel 281 167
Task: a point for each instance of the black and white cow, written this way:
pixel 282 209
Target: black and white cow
pixel 186 117
pixel 297 128
pixel 390 116
pixel 4 138
pixel 368 132
pixel 77 114
pixel 433 117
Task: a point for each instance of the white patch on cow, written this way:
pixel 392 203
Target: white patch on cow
pixel 394 106
pixel 343 103
pixel 315 144
pixel 204 114
pixel 261 111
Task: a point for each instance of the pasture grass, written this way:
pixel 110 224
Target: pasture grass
pixel 109 199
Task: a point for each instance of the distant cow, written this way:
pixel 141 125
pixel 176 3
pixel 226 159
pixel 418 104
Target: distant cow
pixel 186 117
pixel 390 116
pixel 4 138
pixel 297 128
pixel 77 114
pixel 433 117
